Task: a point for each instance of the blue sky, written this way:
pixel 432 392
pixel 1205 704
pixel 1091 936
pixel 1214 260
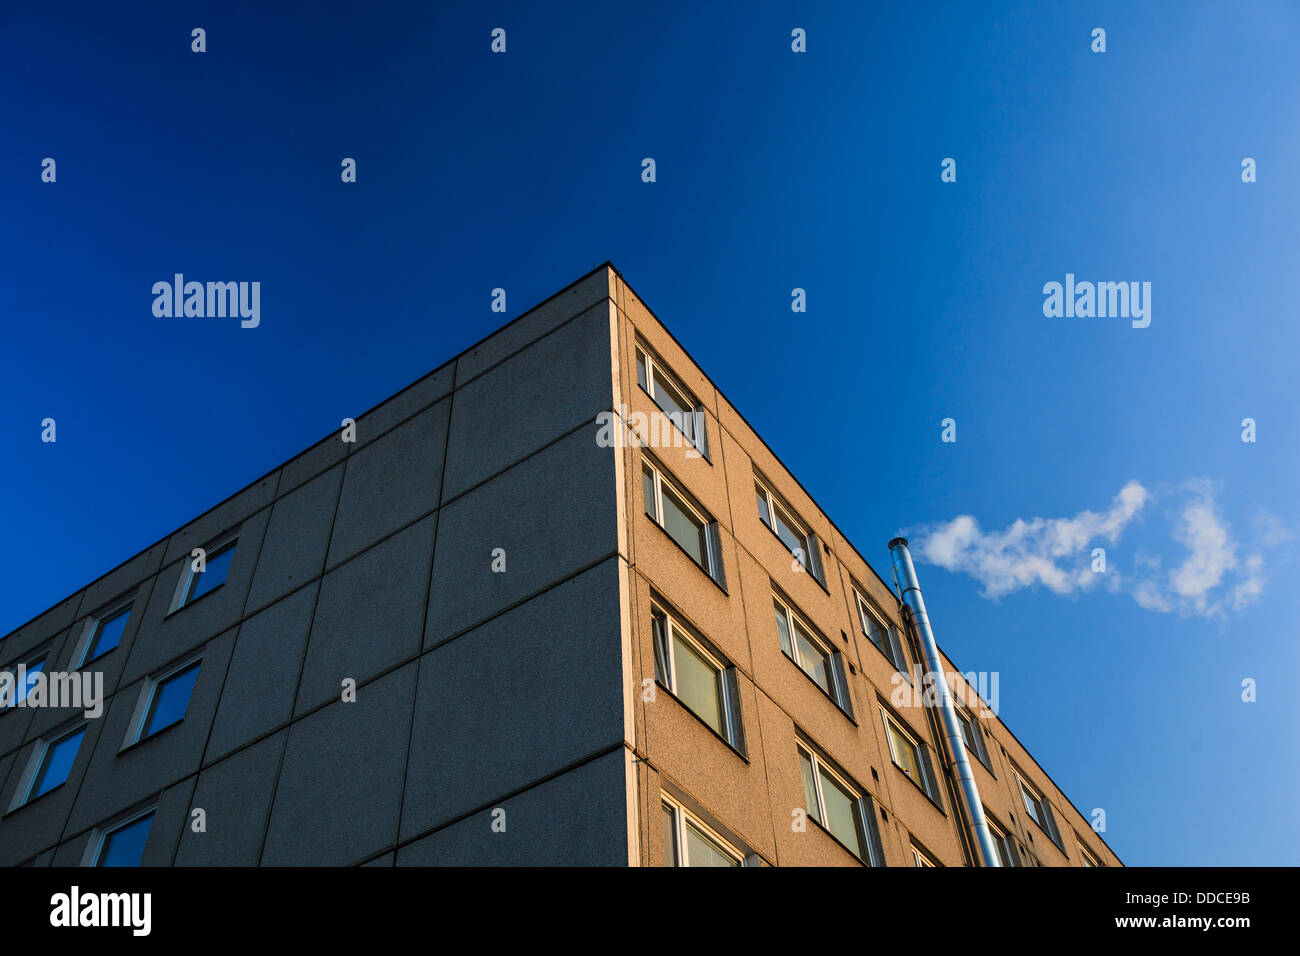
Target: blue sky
pixel 775 170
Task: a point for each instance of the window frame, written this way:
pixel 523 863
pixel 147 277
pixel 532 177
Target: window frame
pixel 149 695
pixel 683 817
pixel 863 805
pixel 94 625
pixel 24 793
pixel 893 636
pixel 1008 856
pixel 839 692
pixel 709 527
pixel 650 371
pixel 1090 859
pixel 922 859
pixel 929 784
pixel 1028 791
pixel 95 848
pixel 812 558
pixel 732 730
pixel 184 596
pixel 970 722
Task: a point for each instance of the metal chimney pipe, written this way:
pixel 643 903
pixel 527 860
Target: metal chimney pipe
pixel 905 576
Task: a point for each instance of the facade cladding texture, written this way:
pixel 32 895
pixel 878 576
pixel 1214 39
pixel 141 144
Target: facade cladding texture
pixel 674 657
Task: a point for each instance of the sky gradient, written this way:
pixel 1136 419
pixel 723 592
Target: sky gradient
pixel 775 170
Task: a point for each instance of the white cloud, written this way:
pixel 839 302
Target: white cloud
pixel 1210 579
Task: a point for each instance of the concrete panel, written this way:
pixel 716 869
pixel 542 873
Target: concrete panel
pixel 259 688
pixel 122 579
pixel 32 634
pixel 341 784
pixel 576 819
pixel 526 694
pixel 225 516
pixel 535 323
pixel 293 551
pixel 416 397
pixel 118 778
pixel 530 399
pixel 235 794
pixel 163 636
pixel 370 614
pixel 39 824
pixel 554 514
pixel 325 454
pixel 390 483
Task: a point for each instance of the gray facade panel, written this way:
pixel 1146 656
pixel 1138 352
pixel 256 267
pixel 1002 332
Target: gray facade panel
pixel 530 692
pixel 163 635
pixel 576 819
pixel 434 386
pixel 341 783
pixel 326 453
pixel 35 633
pixel 529 400
pixel 553 514
pixel 39 824
pixel 224 517
pixel 118 778
pixel 390 483
pixel 369 616
pixel 122 580
pixel 259 687
pixel 235 796
pixel 293 550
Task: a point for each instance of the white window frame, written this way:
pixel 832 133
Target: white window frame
pixel 863 807
pixel 1002 840
pixel 922 859
pixel 185 585
pixel 839 692
pixel 90 630
pixel 711 558
pixel 144 704
pixel 99 836
pixel 970 721
pixel 23 792
pixel 726 679
pixel 892 636
pixel 1028 791
pixel 928 785
pixel 655 371
pixel 811 558
pixel 680 818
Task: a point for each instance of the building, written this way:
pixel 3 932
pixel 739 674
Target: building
pixel 564 646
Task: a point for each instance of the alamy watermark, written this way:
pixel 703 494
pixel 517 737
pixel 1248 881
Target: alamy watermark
pixel 653 430
pixel 1101 300
pixel 213 300
pixel 977 692
pixel 82 690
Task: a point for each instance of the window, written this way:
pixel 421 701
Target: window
pixel 105 632
pixel 1088 858
pixel 1039 810
pixel 695 677
pixel 169 699
pixel 666 505
pixel 124 845
pixel 804 545
pixel 921 858
pixel 911 757
pixel 973 736
pixel 682 410
pixel 1006 848
pixel 55 763
pixel 216 565
pixel 20 687
pixel 840 808
pixel 815 657
pixel 884 636
pixel 688 842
